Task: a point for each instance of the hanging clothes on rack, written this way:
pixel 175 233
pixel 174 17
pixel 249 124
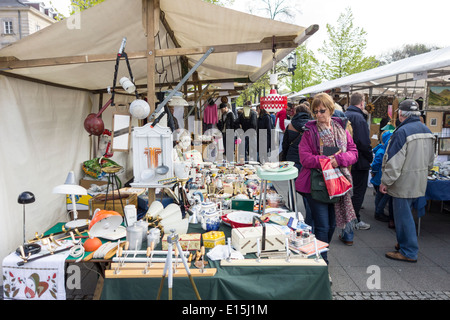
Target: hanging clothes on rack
pixel 210 117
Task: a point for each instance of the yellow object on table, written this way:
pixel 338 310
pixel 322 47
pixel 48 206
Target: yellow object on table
pixel 213 238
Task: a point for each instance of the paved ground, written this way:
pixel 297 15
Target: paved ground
pixel 353 268
pixel 362 272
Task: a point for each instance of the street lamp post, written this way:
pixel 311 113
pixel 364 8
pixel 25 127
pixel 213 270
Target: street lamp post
pixel 292 65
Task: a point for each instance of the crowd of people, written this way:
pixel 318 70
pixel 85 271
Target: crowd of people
pixel 397 167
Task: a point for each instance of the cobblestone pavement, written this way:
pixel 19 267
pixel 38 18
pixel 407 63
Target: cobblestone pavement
pixel 392 295
pixel 347 295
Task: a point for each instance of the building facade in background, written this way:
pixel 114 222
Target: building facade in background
pixel 19 19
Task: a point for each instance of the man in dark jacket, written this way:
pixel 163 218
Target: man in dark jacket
pixel 291 140
pixel 360 170
pixel 264 130
pixel 227 121
pixel 293 134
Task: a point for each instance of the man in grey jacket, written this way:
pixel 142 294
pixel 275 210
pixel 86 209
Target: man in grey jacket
pixel 408 158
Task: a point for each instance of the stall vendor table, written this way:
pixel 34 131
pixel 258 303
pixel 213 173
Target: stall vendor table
pixel 438 190
pixel 306 282
pixel 230 283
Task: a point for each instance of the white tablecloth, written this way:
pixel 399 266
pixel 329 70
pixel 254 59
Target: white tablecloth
pixel 42 279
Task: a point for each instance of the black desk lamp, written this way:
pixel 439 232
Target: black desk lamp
pixel 27 198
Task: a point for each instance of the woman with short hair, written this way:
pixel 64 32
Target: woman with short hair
pixel 326 131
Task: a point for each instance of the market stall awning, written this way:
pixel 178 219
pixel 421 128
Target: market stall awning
pixel 406 76
pixel 80 51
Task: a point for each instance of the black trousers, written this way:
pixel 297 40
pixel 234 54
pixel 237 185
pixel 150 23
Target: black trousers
pixel 360 180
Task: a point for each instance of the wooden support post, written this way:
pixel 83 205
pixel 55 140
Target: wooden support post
pixel 151 7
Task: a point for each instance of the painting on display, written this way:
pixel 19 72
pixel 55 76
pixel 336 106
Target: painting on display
pixel 438 96
pixel 434 121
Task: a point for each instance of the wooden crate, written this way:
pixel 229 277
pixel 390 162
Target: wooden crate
pixel 98 202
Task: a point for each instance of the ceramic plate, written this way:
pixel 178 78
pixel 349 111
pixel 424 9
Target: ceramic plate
pixel 277 167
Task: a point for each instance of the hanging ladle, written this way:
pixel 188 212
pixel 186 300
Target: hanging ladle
pixel 162 169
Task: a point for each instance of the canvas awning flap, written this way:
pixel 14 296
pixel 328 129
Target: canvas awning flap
pixel 399 75
pixel 99 31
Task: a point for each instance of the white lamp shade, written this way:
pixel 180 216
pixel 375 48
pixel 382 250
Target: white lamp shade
pixel 104 222
pixel 139 109
pixel 127 85
pixel 70 187
pixel 178 101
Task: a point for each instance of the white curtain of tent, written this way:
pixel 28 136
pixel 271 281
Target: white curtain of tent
pixel 42 138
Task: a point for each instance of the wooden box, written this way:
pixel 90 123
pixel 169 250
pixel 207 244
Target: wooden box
pixel 189 241
pixel 98 202
pixel 245 239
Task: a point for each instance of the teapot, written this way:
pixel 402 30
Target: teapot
pixel 210 214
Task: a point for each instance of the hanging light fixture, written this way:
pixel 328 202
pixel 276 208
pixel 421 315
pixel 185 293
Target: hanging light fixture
pixel 273 102
pixel 178 101
pixel 140 109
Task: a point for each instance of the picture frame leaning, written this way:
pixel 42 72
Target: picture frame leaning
pixel 446 120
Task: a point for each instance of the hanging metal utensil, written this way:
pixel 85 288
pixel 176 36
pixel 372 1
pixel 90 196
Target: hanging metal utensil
pixel 162 169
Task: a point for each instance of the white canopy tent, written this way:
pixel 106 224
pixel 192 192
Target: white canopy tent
pixel 51 80
pixel 80 52
pixel 405 77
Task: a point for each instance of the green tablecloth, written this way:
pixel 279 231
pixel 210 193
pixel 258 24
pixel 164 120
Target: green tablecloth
pixel 230 283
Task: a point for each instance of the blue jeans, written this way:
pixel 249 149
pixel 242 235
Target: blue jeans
pixel 381 199
pixel 324 220
pixel 405 227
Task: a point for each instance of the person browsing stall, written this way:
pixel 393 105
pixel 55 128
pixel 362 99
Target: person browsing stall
pixel 360 170
pixel 227 121
pixel 381 199
pixel 408 158
pixel 291 139
pixel 326 131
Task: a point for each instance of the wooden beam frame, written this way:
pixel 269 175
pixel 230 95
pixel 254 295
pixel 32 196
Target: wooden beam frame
pixel 11 63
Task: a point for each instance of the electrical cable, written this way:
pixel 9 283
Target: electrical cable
pixel 77 251
pixel 103 250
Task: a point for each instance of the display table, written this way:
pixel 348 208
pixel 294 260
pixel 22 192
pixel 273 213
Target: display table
pixel 436 190
pixel 230 283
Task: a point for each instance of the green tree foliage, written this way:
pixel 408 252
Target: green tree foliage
pixel 408 50
pixel 77 6
pixel 222 3
pixel 306 73
pixel 344 49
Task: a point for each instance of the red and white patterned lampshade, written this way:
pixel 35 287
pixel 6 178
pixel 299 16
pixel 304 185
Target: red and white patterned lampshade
pixel 273 102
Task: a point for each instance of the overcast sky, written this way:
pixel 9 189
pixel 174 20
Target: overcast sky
pixel 389 23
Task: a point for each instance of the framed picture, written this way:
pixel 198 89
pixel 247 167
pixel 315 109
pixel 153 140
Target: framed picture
pixel 438 96
pixel 446 123
pixel 434 121
pixel 444 146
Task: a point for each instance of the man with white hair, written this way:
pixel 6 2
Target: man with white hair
pixel 408 158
